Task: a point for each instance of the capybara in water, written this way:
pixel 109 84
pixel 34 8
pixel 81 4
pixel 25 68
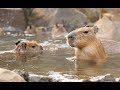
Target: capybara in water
pixel 22 47
pixel 37 31
pixel 30 30
pixel 87 45
pixel 58 31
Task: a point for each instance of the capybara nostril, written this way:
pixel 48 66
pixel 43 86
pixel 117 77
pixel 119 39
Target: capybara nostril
pixel 71 36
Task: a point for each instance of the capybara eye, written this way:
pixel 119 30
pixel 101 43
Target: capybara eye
pixel 85 32
pixel 33 46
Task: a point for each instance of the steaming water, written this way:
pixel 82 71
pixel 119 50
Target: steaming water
pixel 57 57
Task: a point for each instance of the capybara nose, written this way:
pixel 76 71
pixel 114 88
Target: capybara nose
pixel 71 36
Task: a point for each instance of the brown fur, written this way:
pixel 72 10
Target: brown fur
pixel 31 46
pixel 22 48
pixel 58 31
pixel 87 45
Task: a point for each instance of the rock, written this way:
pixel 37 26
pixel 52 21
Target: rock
pixel 102 78
pixel 106 29
pixel 110 10
pixel 10 76
pixel 23 74
pixel 117 24
pixel 107 78
pixel 40 17
pixel 39 78
pixel 70 17
pixel 47 17
pixel 111 46
pixel 53 77
pixel 59 77
pixel 93 14
pixel 12 30
pixel 12 17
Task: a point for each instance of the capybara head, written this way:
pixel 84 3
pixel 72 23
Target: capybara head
pixel 30 30
pixel 42 31
pixel 82 37
pixel 87 45
pixel 28 46
pixel 58 31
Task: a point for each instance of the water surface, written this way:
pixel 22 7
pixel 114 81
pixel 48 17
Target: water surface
pixel 56 57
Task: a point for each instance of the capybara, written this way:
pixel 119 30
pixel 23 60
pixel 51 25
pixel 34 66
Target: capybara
pixel 87 45
pixel 30 30
pixel 22 47
pixel 106 29
pixel 58 31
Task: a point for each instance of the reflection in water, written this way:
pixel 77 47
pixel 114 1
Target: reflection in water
pixel 87 68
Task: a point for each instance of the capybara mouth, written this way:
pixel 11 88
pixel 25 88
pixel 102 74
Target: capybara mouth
pixel 70 43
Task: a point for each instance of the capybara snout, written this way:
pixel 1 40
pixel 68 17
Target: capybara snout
pixel 82 36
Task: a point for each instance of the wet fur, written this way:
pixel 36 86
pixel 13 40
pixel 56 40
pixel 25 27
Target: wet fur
pixel 87 45
pixel 22 48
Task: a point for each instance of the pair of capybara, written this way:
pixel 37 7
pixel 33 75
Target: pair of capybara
pixel 87 45
pixel 57 31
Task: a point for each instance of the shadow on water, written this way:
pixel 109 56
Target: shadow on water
pixel 55 58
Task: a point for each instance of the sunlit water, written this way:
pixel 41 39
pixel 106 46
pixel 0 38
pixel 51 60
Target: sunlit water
pixel 56 57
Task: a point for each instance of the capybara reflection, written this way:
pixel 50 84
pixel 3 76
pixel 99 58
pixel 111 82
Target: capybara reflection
pixel 87 45
pixel 58 31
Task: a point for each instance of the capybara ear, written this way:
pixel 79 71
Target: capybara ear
pixel 95 29
pixel 87 26
pixel 17 42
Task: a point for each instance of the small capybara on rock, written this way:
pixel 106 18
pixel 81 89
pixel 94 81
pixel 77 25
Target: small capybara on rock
pixel 87 45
